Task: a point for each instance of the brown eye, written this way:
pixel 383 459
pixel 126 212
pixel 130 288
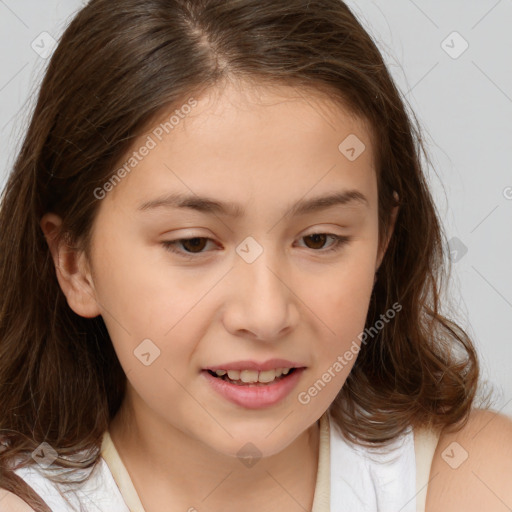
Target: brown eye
pixel 193 244
pixel 318 239
pixel 190 245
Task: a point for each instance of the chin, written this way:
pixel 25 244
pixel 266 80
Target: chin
pixel 255 442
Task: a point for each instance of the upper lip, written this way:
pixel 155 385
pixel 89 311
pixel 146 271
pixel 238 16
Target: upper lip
pixel 270 364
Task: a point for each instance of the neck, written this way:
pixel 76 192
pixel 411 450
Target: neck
pixel 169 467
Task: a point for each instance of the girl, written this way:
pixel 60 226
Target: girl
pixel 234 267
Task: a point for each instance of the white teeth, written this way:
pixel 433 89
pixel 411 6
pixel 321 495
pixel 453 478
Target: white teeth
pixel 249 375
pixel 267 376
pixel 234 374
pixel 252 376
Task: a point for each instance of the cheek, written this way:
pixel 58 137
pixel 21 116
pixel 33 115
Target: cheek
pixel 344 295
pixel 135 286
pixel 154 313
pixel 342 305
pixel 341 300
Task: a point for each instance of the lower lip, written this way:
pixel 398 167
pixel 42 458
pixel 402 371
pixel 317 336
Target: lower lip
pixel 255 397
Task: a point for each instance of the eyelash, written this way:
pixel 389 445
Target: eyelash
pixel 339 242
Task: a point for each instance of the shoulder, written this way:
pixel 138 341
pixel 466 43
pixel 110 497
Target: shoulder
pixel 472 468
pixel 9 502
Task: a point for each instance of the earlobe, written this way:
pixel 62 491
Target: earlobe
pixel 72 269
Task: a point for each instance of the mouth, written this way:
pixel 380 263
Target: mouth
pixel 253 378
pixel 247 389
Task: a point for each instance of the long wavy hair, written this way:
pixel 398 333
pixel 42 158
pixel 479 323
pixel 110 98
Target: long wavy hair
pixel 117 67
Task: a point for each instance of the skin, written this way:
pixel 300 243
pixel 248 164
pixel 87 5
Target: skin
pixel 264 148
pixel 9 502
pixel 472 468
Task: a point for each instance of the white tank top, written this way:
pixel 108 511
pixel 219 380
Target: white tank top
pixel 350 478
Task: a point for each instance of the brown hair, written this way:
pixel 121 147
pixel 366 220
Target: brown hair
pixel 117 67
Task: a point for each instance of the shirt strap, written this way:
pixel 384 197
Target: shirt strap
pixel 425 443
pixel 120 474
pixel 322 497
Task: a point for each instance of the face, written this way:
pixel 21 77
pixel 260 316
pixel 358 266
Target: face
pixel 264 271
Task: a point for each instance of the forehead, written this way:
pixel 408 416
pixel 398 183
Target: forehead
pixel 252 104
pixel 248 142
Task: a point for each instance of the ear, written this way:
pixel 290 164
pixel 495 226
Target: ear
pixel 384 244
pixel 72 269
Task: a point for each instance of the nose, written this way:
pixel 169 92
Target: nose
pixel 261 303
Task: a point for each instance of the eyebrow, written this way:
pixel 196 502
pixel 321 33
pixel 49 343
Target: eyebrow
pixel 212 206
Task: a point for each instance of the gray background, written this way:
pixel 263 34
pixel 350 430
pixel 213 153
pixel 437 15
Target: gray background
pixel 463 100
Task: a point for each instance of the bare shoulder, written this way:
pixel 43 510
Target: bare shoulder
pixel 472 468
pixel 9 502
